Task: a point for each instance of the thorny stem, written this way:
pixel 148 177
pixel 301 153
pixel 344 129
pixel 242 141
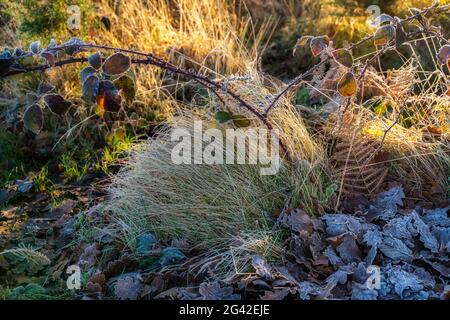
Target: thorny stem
pixel 296 81
pixel 213 85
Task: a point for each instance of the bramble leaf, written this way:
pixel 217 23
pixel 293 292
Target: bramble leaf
pixel 222 116
pixel 45 88
pixel 73 46
pixel 90 89
pixel 95 60
pixel 33 119
pixel 444 54
pixel 56 103
pixel 347 85
pixel 304 40
pixel 108 98
pixel 382 19
pixel 116 64
pixel 127 87
pixel 384 35
pixel 343 57
pixel 318 44
pixel 35 46
pixel 85 73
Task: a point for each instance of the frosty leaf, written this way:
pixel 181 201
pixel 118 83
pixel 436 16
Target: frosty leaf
pixel 299 221
pixel 33 119
pixel 117 63
pixel 373 238
pixel 240 121
pixel 338 224
pixel 171 255
pixel 145 243
pixel 333 258
pixel 400 228
pixel 85 73
pixel 388 201
pixel 382 19
pixel 35 46
pixel 127 87
pixel 307 289
pixel 395 249
pixel 362 292
pixel 343 57
pixel 90 89
pixel 128 288
pixel 384 35
pixel 403 280
pixel 262 268
pixel 89 256
pixel 319 44
pixel 304 40
pixel 222 116
pixel 56 103
pixel 95 60
pixel 347 85
pixel 348 250
pixel 437 217
pixel 429 241
pixel 45 88
pixel 108 98
pixel 444 54
pixel 213 291
pixel 278 294
pixel 73 46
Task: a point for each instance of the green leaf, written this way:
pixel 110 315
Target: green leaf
pixel 127 87
pixel 33 119
pixel 343 57
pixel 95 60
pixel 116 64
pixel 90 89
pixel 384 35
pixel 85 73
pixel 347 85
pixel 223 116
pixel 56 103
pixel 319 44
pixel 240 121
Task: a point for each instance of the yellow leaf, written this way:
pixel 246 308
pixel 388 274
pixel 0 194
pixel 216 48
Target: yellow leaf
pixel 347 85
